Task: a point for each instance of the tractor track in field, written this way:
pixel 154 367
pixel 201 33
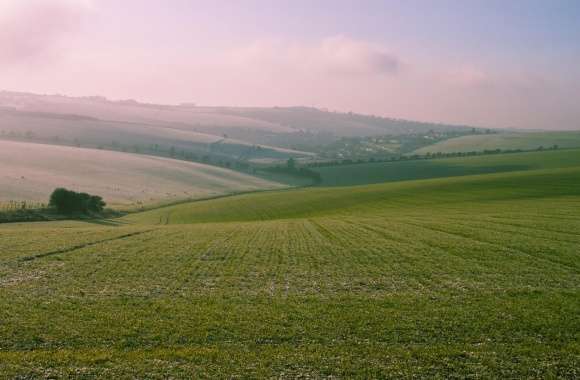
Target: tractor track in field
pixel 521 230
pixel 80 246
pixel 469 237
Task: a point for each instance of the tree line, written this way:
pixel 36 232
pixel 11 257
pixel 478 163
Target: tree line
pixel 427 156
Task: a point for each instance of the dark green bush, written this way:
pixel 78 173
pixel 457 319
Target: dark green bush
pixel 69 202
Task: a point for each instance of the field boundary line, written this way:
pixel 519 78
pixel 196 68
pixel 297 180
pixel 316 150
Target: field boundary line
pixel 482 225
pixel 80 246
pixel 511 249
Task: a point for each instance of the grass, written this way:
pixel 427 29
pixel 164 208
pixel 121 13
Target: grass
pixel 514 140
pixel 32 171
pixel 390 199
pixel 474 276
pixel 361 174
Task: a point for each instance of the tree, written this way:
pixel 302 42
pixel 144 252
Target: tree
pixel 95 203
pixel 68 202
pixel 61 199
pixel 291 163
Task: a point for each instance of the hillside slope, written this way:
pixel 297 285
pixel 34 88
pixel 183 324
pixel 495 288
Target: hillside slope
pixel 378 172
pixel 389 199
pixel 514 140
pixel 337 123
pixel 154 138
pixel 31 171
pixel 283 127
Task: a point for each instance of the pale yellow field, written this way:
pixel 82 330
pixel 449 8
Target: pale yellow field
pixel 31 171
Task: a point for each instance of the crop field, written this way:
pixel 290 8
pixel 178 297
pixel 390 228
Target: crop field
pixel 30 172
pixel 473 276
pixel 368 173
pixel 389 200
pixel 378 172
pixel 116 135
pixel 520 140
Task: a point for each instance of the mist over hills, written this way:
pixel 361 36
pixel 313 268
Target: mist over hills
pixel 236 137
pixel 281 127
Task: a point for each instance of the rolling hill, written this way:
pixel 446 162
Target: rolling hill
pixel 255 135
pixel 272 128
pixel 336 123
pixel 505 141
pixel 29 172
pixel 472 276
pixel 154 139
pixel 388 199
pixel 378 172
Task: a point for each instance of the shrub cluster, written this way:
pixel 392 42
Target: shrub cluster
pixel 69 202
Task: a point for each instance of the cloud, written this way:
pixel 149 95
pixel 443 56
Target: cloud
pixel 31 30
pixel 467 76
pixel 336 55
pixel 346 55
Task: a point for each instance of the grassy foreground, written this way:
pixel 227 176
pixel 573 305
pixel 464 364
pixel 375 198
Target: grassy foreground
pixel 473 276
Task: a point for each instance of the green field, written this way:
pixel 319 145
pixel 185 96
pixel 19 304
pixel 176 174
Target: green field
pixel 474 276
pixel 368 173
pixel 513 140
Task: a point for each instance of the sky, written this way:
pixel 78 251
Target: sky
pixel 491 63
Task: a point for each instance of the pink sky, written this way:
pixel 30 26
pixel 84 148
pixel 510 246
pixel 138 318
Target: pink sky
pixel 379 57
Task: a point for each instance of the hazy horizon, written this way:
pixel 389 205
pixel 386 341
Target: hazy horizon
pixel 482 63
